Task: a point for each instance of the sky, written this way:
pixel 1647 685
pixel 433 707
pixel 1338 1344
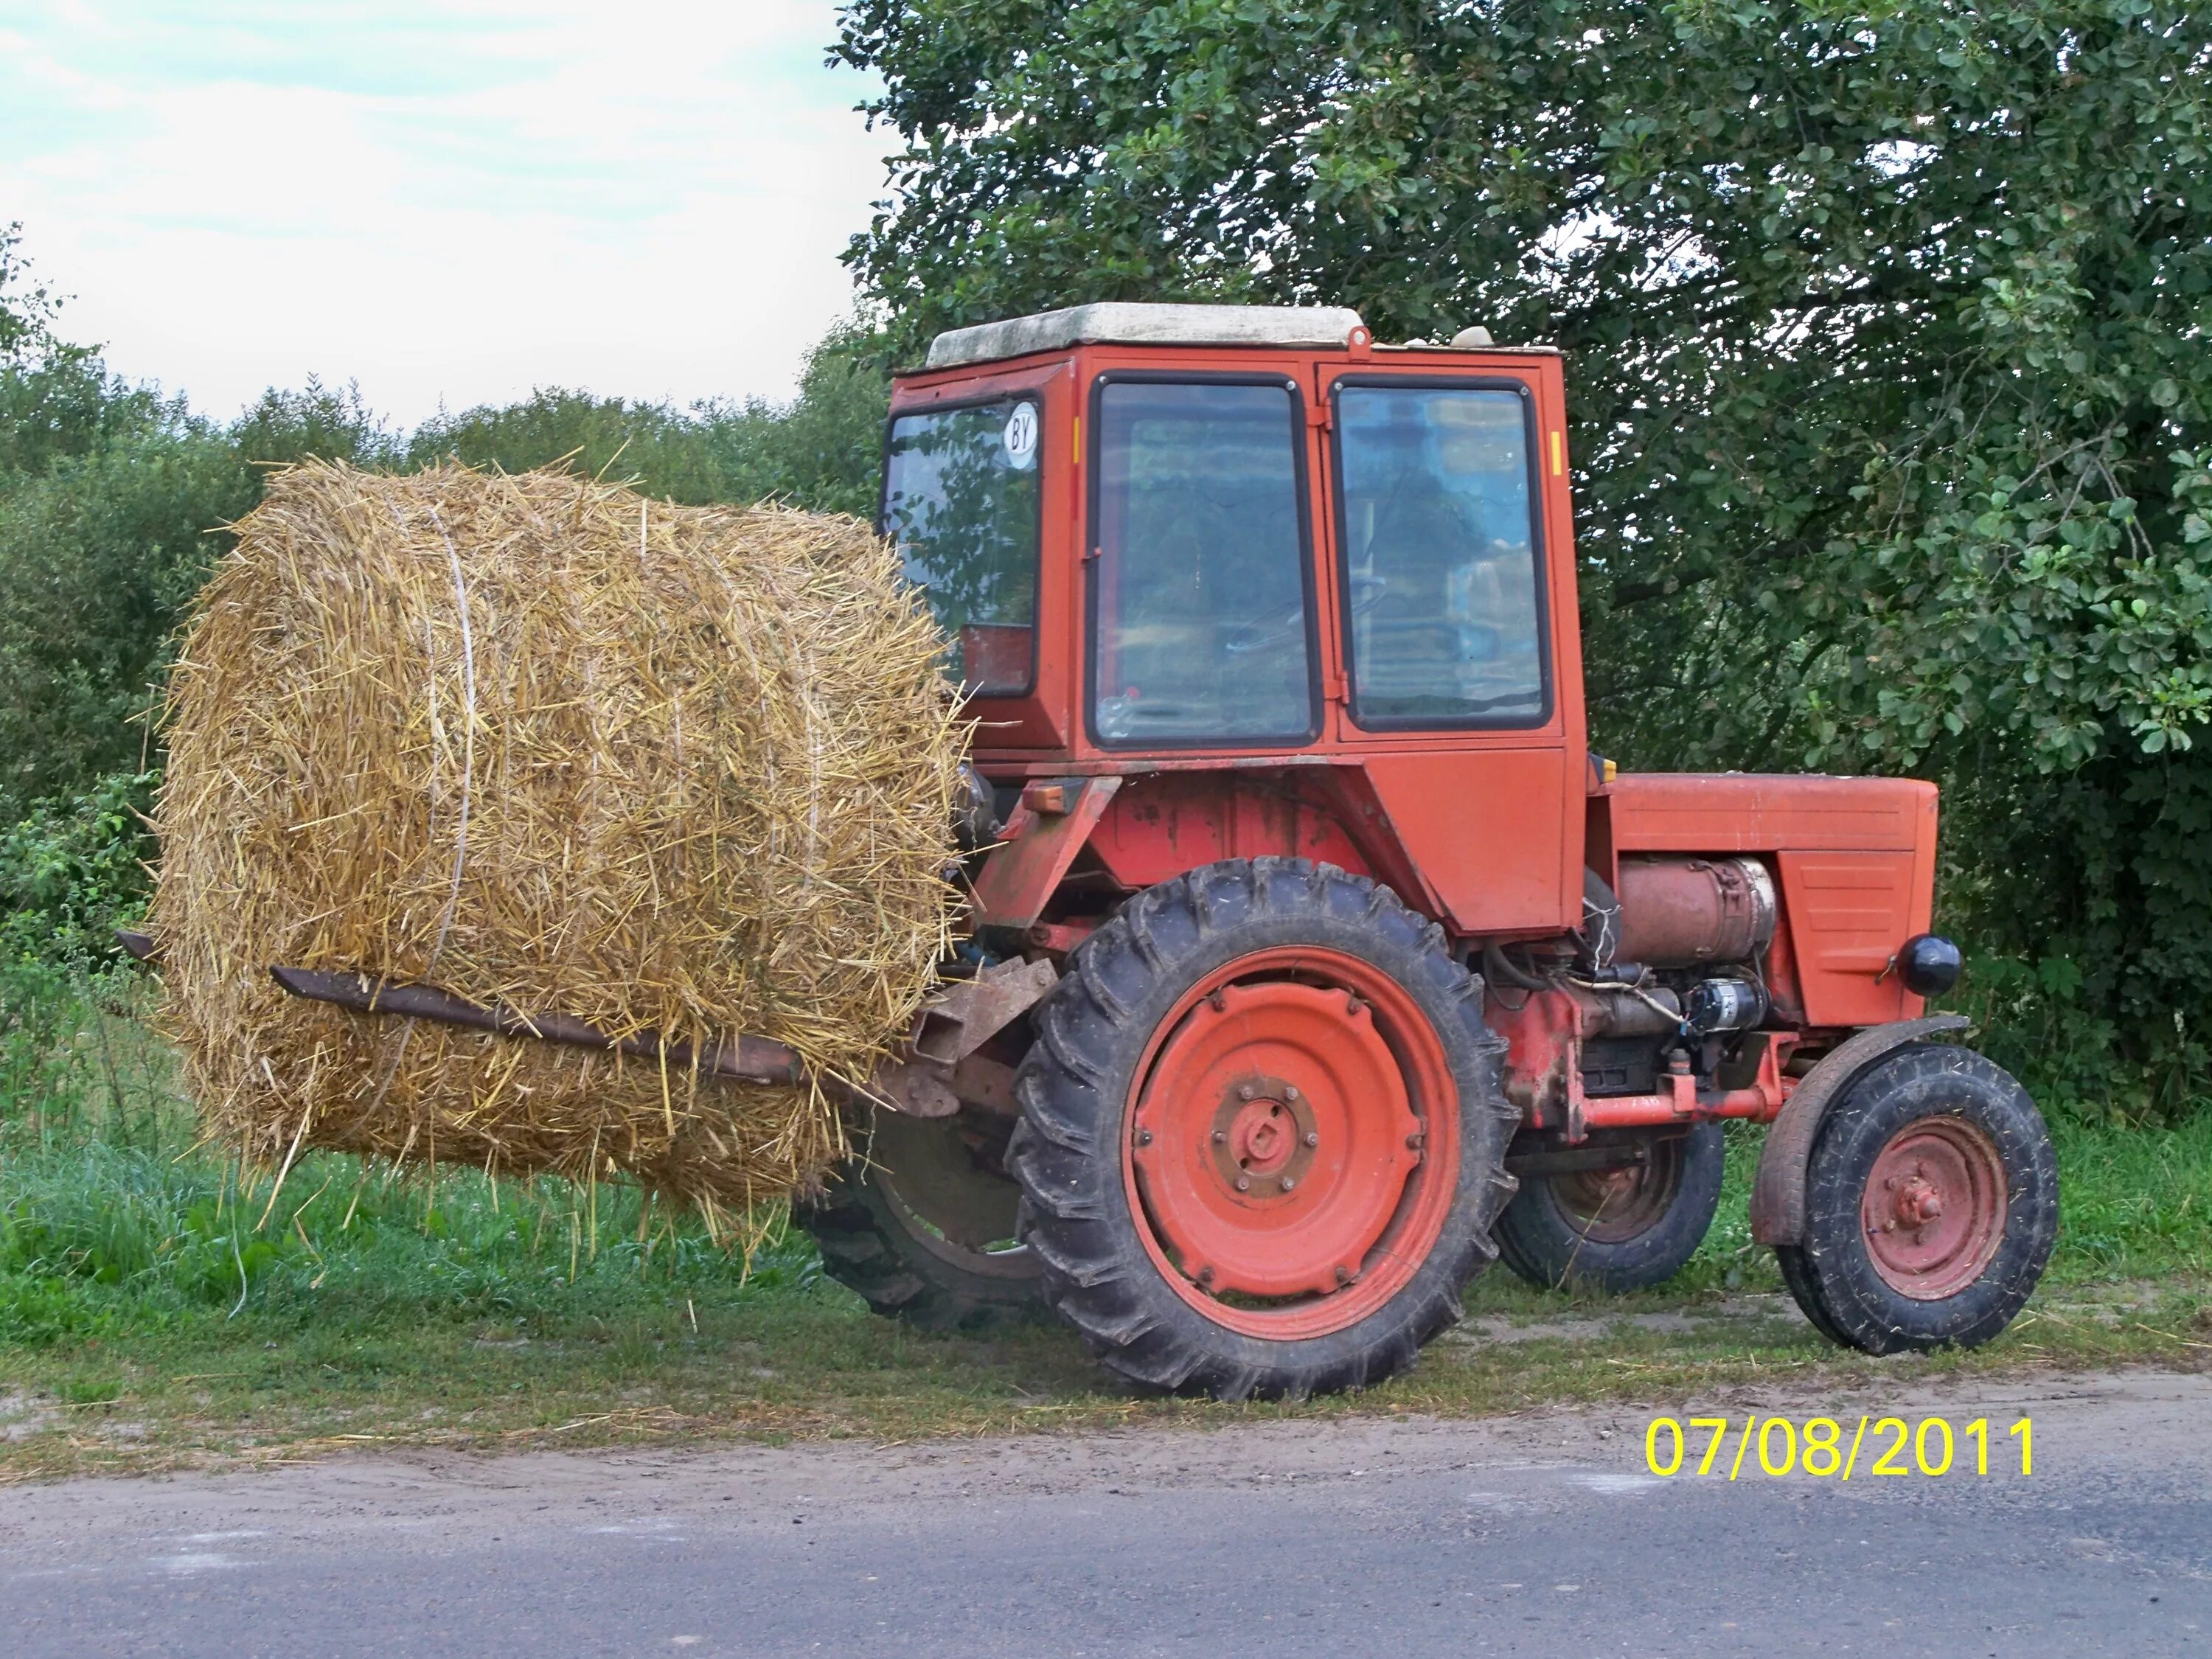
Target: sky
pixel 446 201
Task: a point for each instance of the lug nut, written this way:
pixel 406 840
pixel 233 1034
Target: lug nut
pixel 1289 1181
pixel 1290 1092
pixel 1206 1276
pixel 1413 1140
pixel 1243 1091
pixel 1344 1274
pixel 1144 1137
pixel 1221 1137
pixel 1312 1139
pixel 1243 1183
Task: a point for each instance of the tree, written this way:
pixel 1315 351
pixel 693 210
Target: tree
pixel 1891 395
pixel 26 309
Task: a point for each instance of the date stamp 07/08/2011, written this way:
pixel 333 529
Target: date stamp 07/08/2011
pixel 1824 1447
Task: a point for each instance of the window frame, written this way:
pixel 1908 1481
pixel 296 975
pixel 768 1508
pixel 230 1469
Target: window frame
pixel 1540 554
pixel 954 406
pixel 1093 553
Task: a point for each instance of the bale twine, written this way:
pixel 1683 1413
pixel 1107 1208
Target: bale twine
pixel 547 743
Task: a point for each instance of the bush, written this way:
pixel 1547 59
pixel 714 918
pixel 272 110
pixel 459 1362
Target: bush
pixel 74 870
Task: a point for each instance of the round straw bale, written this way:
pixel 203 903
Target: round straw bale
pixel 546 744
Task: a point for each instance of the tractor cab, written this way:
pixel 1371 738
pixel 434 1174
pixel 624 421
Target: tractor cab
pixel 1248 545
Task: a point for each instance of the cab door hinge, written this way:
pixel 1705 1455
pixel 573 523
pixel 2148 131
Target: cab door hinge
pixel 1318 416
pixel 1334 686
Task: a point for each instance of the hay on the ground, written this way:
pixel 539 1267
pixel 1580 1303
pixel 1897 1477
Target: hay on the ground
pixel 549 745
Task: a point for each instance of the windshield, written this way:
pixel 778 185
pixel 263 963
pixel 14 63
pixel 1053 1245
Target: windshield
pixel 960 498
pixel 1440 557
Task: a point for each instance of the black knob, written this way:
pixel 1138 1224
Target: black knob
pixel 1929 964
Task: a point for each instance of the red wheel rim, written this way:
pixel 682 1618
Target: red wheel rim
pixel 1311 1078
pixel 1934 1209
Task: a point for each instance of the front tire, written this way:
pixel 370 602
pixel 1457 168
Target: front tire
pixel 1262 1134
pixel 1931 1204
pixel 1616 1230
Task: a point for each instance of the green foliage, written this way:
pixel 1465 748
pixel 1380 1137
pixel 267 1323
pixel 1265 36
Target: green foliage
pixel 821 451
pixel 667 454
pixel 74 871
pixel 98 555
pixel 27 308
pixel 1891 402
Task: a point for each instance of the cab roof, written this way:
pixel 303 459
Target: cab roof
pixel 1311 328
pixel 1119 323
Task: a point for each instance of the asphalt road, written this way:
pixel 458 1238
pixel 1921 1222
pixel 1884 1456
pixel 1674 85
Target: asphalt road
pixel 1534 1534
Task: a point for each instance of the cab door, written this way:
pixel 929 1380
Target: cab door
pixel 1453 678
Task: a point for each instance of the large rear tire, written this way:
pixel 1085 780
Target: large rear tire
pixel 922 1225
pixel 1931 1204
pixel 1616 1230
pixel 1262 1134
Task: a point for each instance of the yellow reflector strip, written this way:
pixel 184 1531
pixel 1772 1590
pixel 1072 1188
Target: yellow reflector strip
pixel 1559 454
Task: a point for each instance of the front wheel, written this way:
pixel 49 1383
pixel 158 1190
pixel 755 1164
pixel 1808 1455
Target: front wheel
pixel 1262 1134
pixel 1931 1203
pixel 1617 1230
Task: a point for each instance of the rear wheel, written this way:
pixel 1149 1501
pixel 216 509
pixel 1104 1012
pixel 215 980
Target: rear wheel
pixel 1616 1230
pixel 1262 1134
pixel 922 1225
pixel 1931 1203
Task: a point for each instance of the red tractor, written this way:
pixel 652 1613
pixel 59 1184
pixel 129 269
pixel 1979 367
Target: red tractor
pixel 1316 959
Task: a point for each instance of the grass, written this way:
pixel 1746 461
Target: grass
pixel 159 1308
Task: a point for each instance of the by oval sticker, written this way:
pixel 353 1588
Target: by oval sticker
pixel 1020 436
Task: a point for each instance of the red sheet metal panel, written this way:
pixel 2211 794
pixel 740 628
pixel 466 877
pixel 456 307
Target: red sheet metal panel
pixel 1165 823
pixel 1754 812
pixel 1849 912
pixel 1018 876
pixel 1487 829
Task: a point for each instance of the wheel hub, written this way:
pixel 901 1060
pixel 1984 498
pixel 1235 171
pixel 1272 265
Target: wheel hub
pixel 1934 1211
pixel 1264 1138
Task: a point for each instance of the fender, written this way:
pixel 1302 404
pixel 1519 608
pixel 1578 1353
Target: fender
pixel 1040 841
pixel 1777 1193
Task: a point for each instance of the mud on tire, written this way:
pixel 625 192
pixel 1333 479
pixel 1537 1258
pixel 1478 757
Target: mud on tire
pixel 1079 1086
